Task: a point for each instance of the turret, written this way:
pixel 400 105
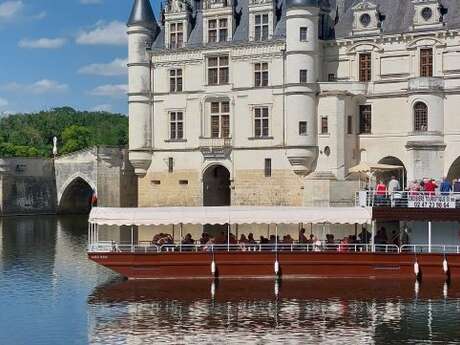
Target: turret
pixel 302 50
pixel 142 30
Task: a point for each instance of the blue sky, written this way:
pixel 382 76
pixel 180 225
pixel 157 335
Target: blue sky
pixel 63 52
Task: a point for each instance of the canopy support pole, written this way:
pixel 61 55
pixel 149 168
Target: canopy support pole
pixel 372 236
pixel 276 237
pixel 429 236
pixel 228 237
pixel 132 238
pixel 180 237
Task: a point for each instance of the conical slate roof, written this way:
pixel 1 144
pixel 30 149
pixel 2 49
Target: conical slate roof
pixel 142 15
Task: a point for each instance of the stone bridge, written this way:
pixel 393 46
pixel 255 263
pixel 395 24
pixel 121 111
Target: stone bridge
pixel 66 184
pixel 104 171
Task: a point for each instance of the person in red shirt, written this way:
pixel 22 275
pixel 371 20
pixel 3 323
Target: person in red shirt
pixel 380 193
pixel 430 186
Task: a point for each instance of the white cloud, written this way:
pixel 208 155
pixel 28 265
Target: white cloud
pixel 91 2
pixel 3 102
pixel 102 107
pixel 114 68
pixel 113 33
pixel 42 43
pixel 8 9
pixel 110 90
pixel 39 87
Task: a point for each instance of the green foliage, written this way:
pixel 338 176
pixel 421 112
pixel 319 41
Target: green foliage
pixel 31 135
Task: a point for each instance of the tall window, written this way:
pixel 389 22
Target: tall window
pixel 365 67
pixel 303 33
pixel 261 74
pixel 176 125
pixel 217 70
pixel 170 164
pixel 303 128
pixel 324 125
pixel 217 30
pixel 365 119
pixel 175 80
pixel 426 62
pixel 176 35
pixel 268 167
pixel 220 119
pixel 420 117
pixel 303 76
pixel 261 122
pixel 261 27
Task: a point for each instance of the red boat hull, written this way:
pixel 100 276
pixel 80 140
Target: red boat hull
pixel 261 264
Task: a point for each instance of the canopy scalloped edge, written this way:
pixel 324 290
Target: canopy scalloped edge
pixel 229 215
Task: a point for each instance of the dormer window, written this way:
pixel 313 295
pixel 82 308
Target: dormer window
pixel 261 27
pixel 367 18
pixel 217 30
pixel 428 14
pixel 176 35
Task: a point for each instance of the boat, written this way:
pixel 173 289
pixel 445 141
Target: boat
pixel 321 259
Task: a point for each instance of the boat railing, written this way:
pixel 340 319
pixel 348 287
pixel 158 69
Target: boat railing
pixel 408 199
pixel 430 248
pixel 148 247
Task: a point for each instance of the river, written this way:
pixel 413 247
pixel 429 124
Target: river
pixel 50 293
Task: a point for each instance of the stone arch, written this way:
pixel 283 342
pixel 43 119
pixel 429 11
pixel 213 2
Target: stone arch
pixel 454 170
pixel 216 186
pixel 75 196
pixel 401 175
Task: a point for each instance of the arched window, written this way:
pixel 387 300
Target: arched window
pixel 420 117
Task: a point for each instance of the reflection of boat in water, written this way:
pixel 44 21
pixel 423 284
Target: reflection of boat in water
pixel 231 259
pixel 228 290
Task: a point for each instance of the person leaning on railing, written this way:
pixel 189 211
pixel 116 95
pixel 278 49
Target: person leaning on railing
pixel 380 193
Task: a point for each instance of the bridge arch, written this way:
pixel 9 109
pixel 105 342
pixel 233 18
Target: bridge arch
pixel 75 195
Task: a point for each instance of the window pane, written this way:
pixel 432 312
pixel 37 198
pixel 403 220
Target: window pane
pixel 212 36
pixel 303 128
pixel 172 84
pixel 257 33
pixel 257 79
pixel 214 126
pixel 257 129
pixel 225 107
pixel 179 84
pixel 180 116
pixel 212 61
pixel 172 72
pixel 180 40
pixel 225 126
pixel 173 131
pixel 180 130
pixel 265 127
pixel 215 107
pixel 257 19
pixel 256 112
pixel 223 77
pixel 265 79
pixel 212 76
pixel 365 67
pixel 223 61
pixel 265 112
pixel 265 32
pixel 365 119
pixel 265 19
pixel 179 27
pixel 212 24
pixel 268 167
pixel 173 116
pixel 222 35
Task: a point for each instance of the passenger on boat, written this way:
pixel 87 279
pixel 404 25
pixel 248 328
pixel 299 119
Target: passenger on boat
pixel 302 237
pixel 329 239
pixel 380 193
pixel 343 245
pixel 263 240
pixel 221 238
pixel 364 236
pixel 204 238
pixel 414 187
pixel 393 185
pixel 188 242
pixel 251 239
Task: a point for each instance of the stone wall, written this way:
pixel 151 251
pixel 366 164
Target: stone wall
pixel 27 186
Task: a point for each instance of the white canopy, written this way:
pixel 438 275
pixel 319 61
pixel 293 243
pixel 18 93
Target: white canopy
pixel 367 167
pixel 232 215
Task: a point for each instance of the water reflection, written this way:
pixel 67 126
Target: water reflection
pixel 250 312
pixel 50 293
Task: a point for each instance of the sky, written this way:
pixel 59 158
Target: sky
pixel 64 53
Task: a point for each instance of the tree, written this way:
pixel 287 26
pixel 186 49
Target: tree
pixel 75 138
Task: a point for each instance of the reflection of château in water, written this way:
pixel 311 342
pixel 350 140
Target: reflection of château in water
pixel 308 309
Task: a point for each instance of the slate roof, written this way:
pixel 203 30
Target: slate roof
pixel 398 19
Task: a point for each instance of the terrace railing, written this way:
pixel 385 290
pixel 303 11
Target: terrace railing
pixel 408 199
